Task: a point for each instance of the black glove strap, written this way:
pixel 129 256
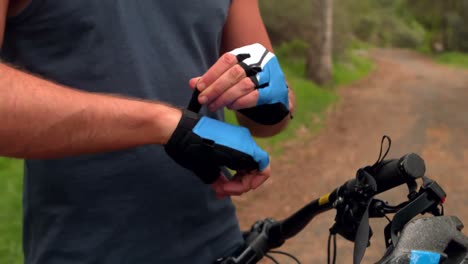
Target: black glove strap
pixel 186 124
pixel 182 136
pixel 267 114
pixel 250 70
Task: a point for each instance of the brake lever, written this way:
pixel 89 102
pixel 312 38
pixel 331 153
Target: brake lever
pixel 380 208
pixel 257 244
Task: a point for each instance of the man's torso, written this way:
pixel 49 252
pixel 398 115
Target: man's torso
pixel 137 205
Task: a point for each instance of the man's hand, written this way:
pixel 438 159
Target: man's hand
pixel 248 79
pixel 204 145
pixel 241 183
pixel 225 84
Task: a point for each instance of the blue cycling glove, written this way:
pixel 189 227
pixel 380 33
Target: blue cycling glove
pixel 265 72
pixel 205 145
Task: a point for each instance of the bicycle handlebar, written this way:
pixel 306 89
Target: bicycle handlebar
pixel 388 174
pixel 392 173
pixel 269 234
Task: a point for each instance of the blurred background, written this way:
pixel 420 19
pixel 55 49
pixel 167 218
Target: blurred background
pixel 360 69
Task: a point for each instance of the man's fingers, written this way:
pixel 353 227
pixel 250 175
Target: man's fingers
pixel 242 88
pixel 218 186
pixel 239 186
pixel 231 77
pixel 234 188
pixel 244 182
pixel 247 181
pixel 219 68
pixel 246 101
pixel 194 82
pixel 260 178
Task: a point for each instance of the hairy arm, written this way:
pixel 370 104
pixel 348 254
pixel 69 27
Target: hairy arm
pixel 245 26
pixel 40 119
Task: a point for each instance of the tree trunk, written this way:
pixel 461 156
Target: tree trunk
pixel 319 58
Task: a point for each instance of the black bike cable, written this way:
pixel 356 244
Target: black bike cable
pixel 388 219
pixel 286 254
pixel 329 248
pixel 272 259
pixel 381 158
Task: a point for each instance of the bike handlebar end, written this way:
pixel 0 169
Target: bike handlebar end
pixel 413 166
pixel 392 173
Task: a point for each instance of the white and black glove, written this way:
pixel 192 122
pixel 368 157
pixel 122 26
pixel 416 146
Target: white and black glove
pixel 264 70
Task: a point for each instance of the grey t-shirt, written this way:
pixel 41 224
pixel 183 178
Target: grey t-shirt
pixel 137 205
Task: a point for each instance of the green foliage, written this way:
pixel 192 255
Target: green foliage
pixel 429 13
pixel 453 58
pixel 457 32
pixel 406 35
pixel 11 175
pixel 427 46
pixel 418 24
pixel 380 22
pixel 290 20
pixel 366 27
pixel 355 67
pixel 293 50
pixel 385 23
pixel 342 35
pixel 286 20
pixel 445 20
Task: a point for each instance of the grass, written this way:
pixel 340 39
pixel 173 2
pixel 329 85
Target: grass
pixel 458 59
pixel 11 172
pixel 357 67
pixel 453 58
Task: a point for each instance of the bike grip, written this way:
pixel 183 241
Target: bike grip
pixel 194 105
pixel 392 173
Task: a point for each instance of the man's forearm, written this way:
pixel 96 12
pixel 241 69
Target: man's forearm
pixel 40 119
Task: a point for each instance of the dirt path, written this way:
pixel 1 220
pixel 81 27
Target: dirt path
pixel 421 105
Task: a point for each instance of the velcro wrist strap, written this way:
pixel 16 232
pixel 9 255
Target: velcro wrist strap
pixel 189 119
pixel 180 147
pixel 186 124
